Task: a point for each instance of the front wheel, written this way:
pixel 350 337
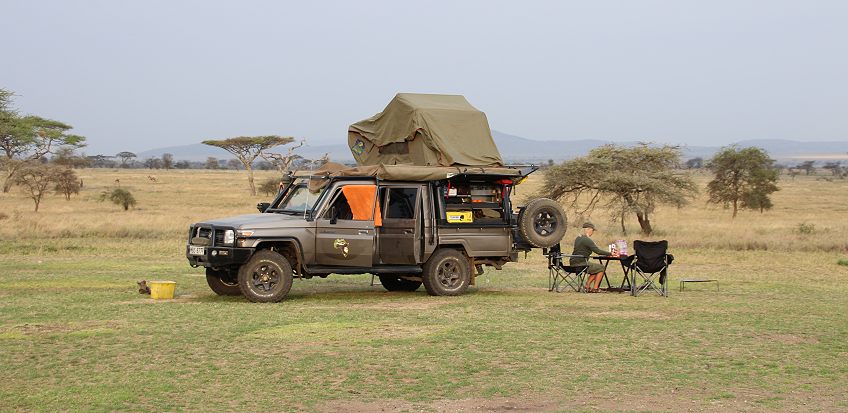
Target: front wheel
pixel 222 282
pixel 266 277
pixel 395 283
pixel 447 272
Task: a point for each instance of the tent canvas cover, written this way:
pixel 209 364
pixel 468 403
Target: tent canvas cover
pixel 425 130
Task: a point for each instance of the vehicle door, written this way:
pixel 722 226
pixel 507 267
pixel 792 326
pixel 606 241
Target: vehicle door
pixel 345 229
pixel 400 235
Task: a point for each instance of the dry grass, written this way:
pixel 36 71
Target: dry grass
pixel 76 336
pixel 165 208
pixel 805 200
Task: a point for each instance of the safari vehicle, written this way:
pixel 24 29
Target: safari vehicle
pixel 397 216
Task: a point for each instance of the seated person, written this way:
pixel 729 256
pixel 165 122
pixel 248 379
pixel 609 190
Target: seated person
pixel 584 245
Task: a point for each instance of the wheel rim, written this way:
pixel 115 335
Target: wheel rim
pixel 544 223
pixel 264 278
pixel 449 275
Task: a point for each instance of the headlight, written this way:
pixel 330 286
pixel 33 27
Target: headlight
pixel 244 233
pixel 229 237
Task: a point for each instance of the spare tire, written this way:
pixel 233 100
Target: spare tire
pixel 542 223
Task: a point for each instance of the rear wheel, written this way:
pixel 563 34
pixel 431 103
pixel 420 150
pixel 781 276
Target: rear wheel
pixel 395 283
pixel 222 282
pixel 447 272
pixel 542 223
pixel 266 277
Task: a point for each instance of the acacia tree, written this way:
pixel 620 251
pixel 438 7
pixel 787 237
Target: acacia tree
pixel 744 178
pixel 627 180
pixel 280 161
pixel 167 161
pixel 66 156
pixel 808 166
pixel 695 163
pixel 67 183
pixel 34 180
pixel 212 163
pixel 835 168
pixel 29 138
pixel 126 158
pixel 247 148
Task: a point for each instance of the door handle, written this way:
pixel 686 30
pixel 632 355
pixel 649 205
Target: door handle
pixel 363 232
pixel 407 232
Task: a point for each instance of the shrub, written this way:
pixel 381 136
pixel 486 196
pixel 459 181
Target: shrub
pixel 270 186
pixel 843 261
pixel 67 183
pixel 120 197
pixel 806 229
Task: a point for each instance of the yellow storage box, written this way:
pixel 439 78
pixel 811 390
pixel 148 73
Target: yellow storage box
pixel 460 217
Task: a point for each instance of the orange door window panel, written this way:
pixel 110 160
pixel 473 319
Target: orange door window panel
pixel 362 200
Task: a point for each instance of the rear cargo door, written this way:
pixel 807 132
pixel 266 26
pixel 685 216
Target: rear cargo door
pixel 400 235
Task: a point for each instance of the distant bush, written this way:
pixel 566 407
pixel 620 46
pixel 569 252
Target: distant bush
pixel 806 228
pixel 843 261
pixel 270 186
pixel 3 216
pixel 67 183
pixel 119 196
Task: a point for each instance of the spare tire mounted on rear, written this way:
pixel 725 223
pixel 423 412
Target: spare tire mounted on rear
pixel 542 223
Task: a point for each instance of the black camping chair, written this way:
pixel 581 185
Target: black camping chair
pixel 650 258
pixel 571 275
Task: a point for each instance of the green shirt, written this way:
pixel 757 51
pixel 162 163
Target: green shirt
pixel 584 245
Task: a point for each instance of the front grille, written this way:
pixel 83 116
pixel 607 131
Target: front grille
pixel 204 233
pixel 209 236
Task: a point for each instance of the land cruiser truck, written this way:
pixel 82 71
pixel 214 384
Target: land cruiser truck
pixel 408 225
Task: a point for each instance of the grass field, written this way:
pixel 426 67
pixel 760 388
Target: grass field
pixel 76 336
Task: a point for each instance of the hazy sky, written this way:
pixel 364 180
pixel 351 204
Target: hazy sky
pixel 136 75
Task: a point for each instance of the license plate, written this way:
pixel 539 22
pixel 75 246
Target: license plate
pixel 196 250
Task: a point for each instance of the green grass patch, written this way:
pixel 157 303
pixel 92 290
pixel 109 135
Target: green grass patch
pixel 75 335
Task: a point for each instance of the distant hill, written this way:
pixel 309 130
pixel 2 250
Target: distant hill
pixel 517 149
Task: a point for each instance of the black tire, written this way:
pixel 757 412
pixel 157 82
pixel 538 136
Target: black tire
pixel 222 282
pixel 395 283
pixel 447 272
pixel 266 277
pixel 542 223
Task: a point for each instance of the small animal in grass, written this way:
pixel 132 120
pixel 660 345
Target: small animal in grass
pixel 118 182
pixel 152 178
pixel 143 288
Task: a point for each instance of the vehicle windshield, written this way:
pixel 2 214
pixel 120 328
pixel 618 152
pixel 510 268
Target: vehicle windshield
pixel 299 199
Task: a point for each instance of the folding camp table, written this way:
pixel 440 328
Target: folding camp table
pixel 605 259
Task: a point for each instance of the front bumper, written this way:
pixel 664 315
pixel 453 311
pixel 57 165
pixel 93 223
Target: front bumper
pixel 219 256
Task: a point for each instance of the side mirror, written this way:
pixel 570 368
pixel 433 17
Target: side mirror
pixel 262 206
pixel 334 215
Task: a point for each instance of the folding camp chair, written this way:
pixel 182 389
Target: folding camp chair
pixel 571 275
pixel 651 258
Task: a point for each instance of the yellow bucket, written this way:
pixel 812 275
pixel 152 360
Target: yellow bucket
pixel 162 290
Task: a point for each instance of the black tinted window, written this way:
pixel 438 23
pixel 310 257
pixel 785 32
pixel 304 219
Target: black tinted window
pixel 402 203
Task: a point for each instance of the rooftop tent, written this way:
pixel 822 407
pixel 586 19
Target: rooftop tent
pixel 425 130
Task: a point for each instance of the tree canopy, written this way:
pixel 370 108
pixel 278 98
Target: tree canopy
pixel 744 178
pixel 247 148
pixel 28 138
pixel 626 180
